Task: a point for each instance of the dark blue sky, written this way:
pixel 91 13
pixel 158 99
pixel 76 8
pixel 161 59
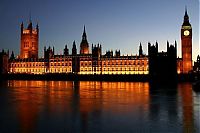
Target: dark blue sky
pixel 116 24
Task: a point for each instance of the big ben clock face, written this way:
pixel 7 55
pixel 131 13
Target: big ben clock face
pixel 186 33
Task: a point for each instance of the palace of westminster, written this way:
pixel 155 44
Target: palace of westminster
pixel 93 62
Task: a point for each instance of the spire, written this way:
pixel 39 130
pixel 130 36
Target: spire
pixel 84 46
pixel 12 57
pixel 186 11
pixel 74 44
pixel 167 43
pixel 66 50
pixel 22 27
pixel 175 44
pixel 37 26
pixel 156 46
pixel 84 30
pixel 156 43
pixel 84 36
pixel 74 50
pixel 140 50
pixel 186 18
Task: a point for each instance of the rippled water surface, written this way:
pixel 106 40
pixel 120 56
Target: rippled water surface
pixel 95 107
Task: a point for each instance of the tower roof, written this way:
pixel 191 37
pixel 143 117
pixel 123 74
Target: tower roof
pixel 186 21
pixel 84 36
pixel 74 44
pixel 84 46
pixel 84 30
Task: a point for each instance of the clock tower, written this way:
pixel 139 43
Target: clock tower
pixel 186 40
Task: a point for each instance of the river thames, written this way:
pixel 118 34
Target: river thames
pixel 97 107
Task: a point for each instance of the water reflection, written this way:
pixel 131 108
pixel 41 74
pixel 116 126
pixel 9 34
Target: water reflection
pixel 60 106
pixel 185 92
pixel 163 109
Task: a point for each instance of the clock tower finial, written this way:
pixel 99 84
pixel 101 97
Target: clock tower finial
pixel 185 9
pixel 186 18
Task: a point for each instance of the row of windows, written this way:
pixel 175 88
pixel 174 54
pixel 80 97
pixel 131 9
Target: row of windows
pixel 114 63
pixel 86 63
pixel 126 69
pixel 125 72
pixel 27 65
pixel 124 63
pixel 138 64
pixel 26 44
pixel 28 70
pixel 61 64
pixel 116 69
pixel 60 70
pixel 89 69
pixel 60 60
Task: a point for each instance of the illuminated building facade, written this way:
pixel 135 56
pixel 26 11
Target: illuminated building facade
pixel 83 63
pixel 29 41
pixel 29 66
pixel 186 40
pixel 96 63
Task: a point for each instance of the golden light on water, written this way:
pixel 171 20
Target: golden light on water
pixel 35 100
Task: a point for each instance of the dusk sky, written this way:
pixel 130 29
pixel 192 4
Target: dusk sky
pixel 116 24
